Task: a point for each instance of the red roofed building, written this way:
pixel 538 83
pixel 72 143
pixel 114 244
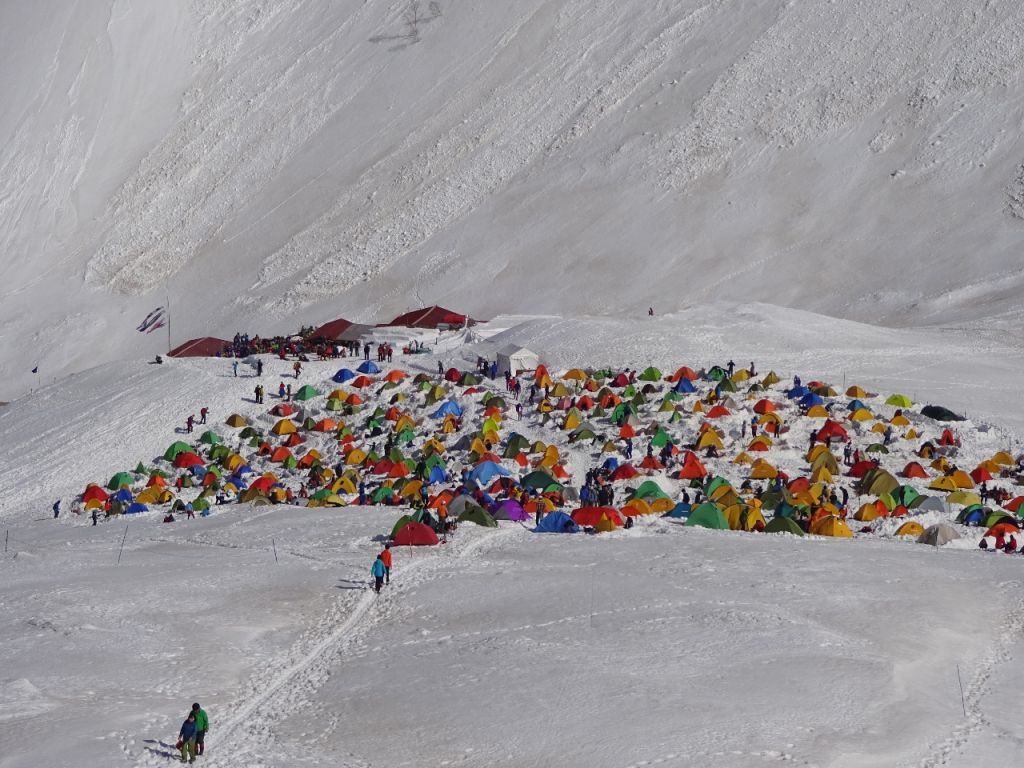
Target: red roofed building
pixel 331 331
pixel 431 317
pixel 207 346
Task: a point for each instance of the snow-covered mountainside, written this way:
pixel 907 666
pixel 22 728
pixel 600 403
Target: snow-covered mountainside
pixel 264 163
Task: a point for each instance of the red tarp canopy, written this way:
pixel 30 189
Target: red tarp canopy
pixel 430 317
pixel 207 346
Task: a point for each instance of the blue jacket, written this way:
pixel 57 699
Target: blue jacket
pixel 188 730
pixel 378 569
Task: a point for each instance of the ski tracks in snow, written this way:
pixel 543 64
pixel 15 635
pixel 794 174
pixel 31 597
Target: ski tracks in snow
pixel 247 730
pixel 1009 633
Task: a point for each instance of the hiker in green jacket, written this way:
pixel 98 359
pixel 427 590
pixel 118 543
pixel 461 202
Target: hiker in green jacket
pixel 202 726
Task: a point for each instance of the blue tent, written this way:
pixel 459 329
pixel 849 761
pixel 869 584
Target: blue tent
pixel 486 471
pixel 238 482
pixel 682 509
pixel 557 522
pixel 685 385
pixel 368 367
pixel 245 469
pixel 975 516
pixel 611 463
pixel 198 470
pixel 136 508
pixel 855 405
pixel 343 375
pixel 437 475
pixel 811 399
pixel 124 495
pixel 447 407
pixel 797 392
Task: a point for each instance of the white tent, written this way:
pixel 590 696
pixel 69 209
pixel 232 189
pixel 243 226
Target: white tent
pixel 515 359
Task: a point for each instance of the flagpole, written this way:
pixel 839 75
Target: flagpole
pixel 167 296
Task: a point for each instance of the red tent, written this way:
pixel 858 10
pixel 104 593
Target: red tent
pixel 207 346
pixel 834 430
pixel 592 516
pixel 692 467
pixel 980 475
pixel 415 535
pixel 913 469
pixel 187 459
pixel 624 472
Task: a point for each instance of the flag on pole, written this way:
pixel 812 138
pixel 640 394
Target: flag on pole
pixel 153 321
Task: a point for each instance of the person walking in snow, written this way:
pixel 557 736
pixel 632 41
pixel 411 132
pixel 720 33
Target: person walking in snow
pixel 202 414
pixel 202 726
pixel 56 509
pixel 280 390
pixel 297 367
pixel 366 351
pixel 730 366
pixel 189 422
pixel 234 367
pixel 288 393
pixel 187 739
pixel 440 368
pixel 379 571
pixel 95 514
pixel 259 367
pixel 628 451
pixel 385 556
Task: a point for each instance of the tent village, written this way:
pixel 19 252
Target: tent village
pixel 591 451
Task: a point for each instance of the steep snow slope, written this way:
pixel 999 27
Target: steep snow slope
pixel 263 163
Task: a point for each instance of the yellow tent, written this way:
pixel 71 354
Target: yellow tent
pixel 698 407
pixel 411 489
pixel 355 456
pixel 855 391
pixel 759 442
pixel 743 458
pixel 741 374
pixel 962 479
pixel 771 378
pixel 963 497
pixel 762 470
pixel 284 427
pixel 405 421
pixel 910 528
pixel 709 438
pixel 944 483
pixel 866 513
pixel 604 525
pixel 900 421
pixel 911 434
pixel 878 427
pixel 817 412
pixel 662 505
pixel 575 374
pixel 1003 459
pixel 235 420
pixel 861 414
pixel 572 421
pixel 830 525
pixel 822 475
pixel 551 457
pixel 343 484
pixel 641 507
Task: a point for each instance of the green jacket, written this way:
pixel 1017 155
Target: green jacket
pixel 202 721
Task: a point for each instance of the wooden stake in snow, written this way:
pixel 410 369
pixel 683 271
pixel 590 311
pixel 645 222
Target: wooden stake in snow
pixel 274 545
pixel 963 702
pixel 122 545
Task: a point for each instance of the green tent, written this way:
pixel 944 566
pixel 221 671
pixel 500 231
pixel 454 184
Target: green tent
pixel 707 515
pixel 474 514
pixel 876 448
pixel 661 439
pixel 175 448
pixel 219 452
pixel 140 469
pixel 121 478
pixel 200 504
pixel 537 480
pixel 714 483
pixel 403 521
pixel 306 392
pixel 334 404
pixel 323 493
pixel 727 385
pixel 469 379
pixel 717 373
pixel 900 401
pixel 648 490
pixel 651 374
pixel 246 433
pixel 783 525
pixel 382 495
pixel 209 437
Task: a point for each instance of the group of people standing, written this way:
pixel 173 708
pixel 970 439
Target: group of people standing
pixel 193 733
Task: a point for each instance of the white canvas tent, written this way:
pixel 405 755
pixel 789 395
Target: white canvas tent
pixel 515 359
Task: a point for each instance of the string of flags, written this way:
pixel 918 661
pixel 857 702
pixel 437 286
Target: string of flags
pixel 154 320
